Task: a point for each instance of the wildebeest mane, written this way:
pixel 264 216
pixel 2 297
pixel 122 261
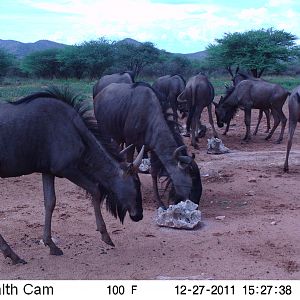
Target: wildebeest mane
pixel 65 94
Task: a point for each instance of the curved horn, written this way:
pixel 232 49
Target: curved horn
pixel 179 98
pixel 139 158
pixel 177 151
pixel 215 103
pixel 125 150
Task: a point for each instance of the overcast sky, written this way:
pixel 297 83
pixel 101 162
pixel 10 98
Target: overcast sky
pixel 173 25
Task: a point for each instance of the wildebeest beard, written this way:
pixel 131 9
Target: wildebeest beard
pixel 230 113
pixel 116 208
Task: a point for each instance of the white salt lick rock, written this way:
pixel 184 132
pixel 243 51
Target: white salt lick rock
pixel 183 215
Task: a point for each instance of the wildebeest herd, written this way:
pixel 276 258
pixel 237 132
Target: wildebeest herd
pixel 51 133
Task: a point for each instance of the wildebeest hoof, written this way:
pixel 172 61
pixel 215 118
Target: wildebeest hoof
pixel 107 240
pixel 20 261
pixel 56 251
pixel 278 142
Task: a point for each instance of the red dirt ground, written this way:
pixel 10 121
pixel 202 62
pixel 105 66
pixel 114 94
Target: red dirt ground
pixel 258 238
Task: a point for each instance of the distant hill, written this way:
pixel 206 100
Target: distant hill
pixel 22 49
pixel 197 55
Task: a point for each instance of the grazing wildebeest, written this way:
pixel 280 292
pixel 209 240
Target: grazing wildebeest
pixel 191 167
pixel 170 86
pixel 131 114
pixel 294 117
pixel 198 94
pixel 249 94
pixel 104 81
pixel 40 133
pixel 236 79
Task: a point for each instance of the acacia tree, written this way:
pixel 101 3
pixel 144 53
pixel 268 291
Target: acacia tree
pixel 72 63
pixel 98 56
pixel 6 61
pixel 136 57
pixel 254 50
pixel 42 63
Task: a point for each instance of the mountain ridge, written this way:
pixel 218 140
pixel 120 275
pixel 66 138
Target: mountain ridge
pixel 20 49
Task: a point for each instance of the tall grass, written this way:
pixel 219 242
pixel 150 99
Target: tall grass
pixel 14 88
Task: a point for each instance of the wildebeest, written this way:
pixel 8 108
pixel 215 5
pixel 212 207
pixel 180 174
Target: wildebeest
pixel 131 114
pixel 249 94
pixel 170 86
pixel 236 79
pixel 191 168
pixel 123 77
pixel 198 94
pixel 294 117
pixel 40 133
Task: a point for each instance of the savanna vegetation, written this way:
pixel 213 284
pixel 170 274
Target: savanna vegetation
pixel 270 52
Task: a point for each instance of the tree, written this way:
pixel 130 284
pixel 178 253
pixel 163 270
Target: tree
pixel 72 62
pixel 98 56
pixel 42 63
pixel 254 50
pixel 136 57
pixel 6 61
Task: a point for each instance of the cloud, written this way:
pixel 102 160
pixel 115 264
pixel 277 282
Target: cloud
pixel 176 26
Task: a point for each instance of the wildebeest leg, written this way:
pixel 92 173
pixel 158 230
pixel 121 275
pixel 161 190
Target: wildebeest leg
pixel 159 203
pixel 248 124
pixel 258 121
pixel 195 122
pixel 101 227
pixel 49 203
pixel 247 121
pixel 292 127
pixel 190 117
pixel 227 128
pixel 211 120
pixel 283 120
pixel 172 100
pixel 80 179
pixel 267 113
pixel 275 125
pixel 8 252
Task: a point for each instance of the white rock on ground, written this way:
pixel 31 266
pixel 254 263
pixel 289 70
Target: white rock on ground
pixel 183 215
pixel 216 146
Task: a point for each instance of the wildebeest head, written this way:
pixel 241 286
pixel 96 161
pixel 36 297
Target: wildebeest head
pixel 130 175
pixel 224 111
